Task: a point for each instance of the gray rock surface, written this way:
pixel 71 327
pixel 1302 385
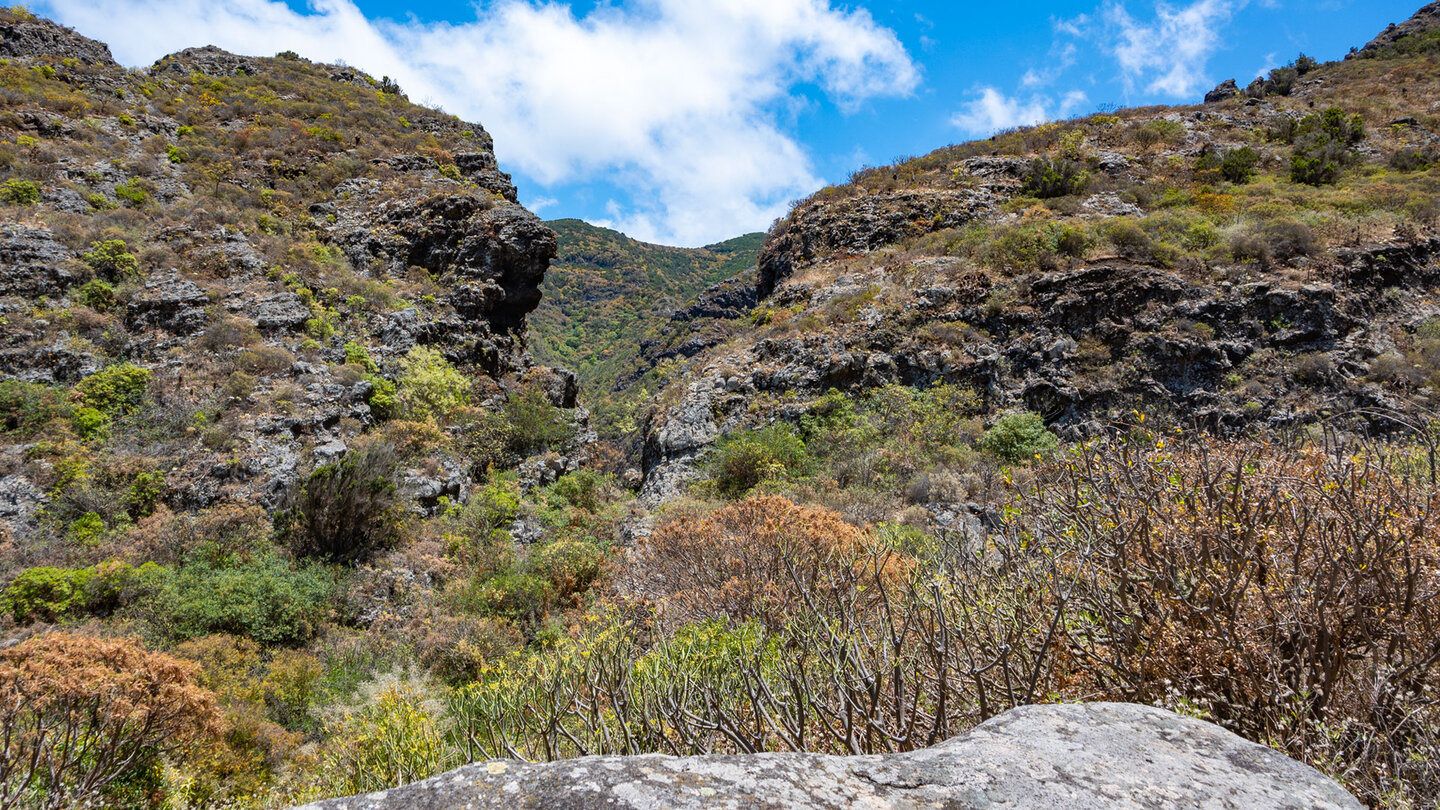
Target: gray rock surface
pixel 20 504
pixel 1224 91
pixel 32 262
pixel 864 223
pixel 168 302
pixel 38 37
pixel 1099 755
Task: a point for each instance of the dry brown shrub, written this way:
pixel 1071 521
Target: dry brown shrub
pixel 78 712
pixel 763 558
pixel 1293 596
pixel 456 648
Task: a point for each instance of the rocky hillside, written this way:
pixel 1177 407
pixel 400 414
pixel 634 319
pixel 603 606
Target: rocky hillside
pixel 1131 408
pixel 602 299
pixel 265 331
pixel 1267 260
pixel 250 253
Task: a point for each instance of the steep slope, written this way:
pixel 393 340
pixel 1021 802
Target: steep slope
pixel 1265 261
pixel 604 295
pixel 260 243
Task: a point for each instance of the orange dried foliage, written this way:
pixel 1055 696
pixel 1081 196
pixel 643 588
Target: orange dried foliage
pixel 762 558
pixel 79 712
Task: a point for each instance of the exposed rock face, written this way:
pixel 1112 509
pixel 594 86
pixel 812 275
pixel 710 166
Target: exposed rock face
pixel 32 263
pixel 489 253
pixel 1082 347
pixel 27 39
pixel 1101 755
pixel 860 225
pixel 1224 91
pixel 209 60
pixel 385 220
pixel 169 302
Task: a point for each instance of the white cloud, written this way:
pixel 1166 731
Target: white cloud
pixel 683 102
pixel 1168 55
pixel 539 204
pixel 994 111
pixel 1062 58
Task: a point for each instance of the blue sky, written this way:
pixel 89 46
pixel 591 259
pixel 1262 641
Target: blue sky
pixel 690 121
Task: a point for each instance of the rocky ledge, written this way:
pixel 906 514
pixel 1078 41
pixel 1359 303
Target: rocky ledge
pixel 1099 755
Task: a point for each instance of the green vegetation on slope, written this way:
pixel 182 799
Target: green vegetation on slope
pixel 604 291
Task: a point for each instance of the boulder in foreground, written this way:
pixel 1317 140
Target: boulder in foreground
pixel 1099 755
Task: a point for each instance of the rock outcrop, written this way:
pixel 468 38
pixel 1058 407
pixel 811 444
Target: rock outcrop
pixel 1082 347
pixel 32 263
pixel 1224 91
pixel 860 225
pixel 1100 755
pixel 403 208
pixel 37 37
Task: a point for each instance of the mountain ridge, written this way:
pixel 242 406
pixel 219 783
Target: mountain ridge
pixel 1131 411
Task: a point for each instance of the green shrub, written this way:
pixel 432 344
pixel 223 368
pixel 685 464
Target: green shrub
pixel 90 423
pixel 347 511
pixel 1019 436
pixel 1281 241
pixel 534 423
pixel 1282 81
pixel 429 387
pixel 570 566
pixel 481 538
pixel 20 192
pixel 358 355
pixel 264 599
pixel 26 407
pixel 1238 165
pixel 1054 178
pixel 133 193
pixel 60 594
pixel 95 294
pixel 1157 131
pixel 1414 160
pixel 1315 168
pixel 514 595
pixel 46 594
pixel 144 494
pixel 115 390
pixel 1324 144
pixel 112 259
pixel 1128 237
pixel 931 420
pixel 382 399
pixel 580 489
pixel 1072 241
pixel 742 460
pixel 86 530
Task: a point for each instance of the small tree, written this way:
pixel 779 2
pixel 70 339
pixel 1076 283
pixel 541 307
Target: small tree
pixel 112 259
pixel 429 387
pixel 1054 178
pixel 1018 436
pixel 1238 165
pixel 80 714
pixel 347 511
